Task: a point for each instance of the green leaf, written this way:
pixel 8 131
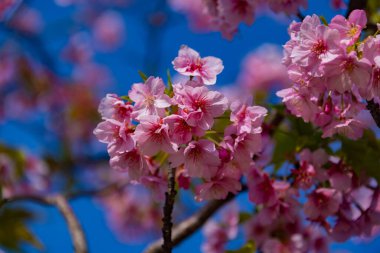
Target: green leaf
pixel 285 147
pixel 244 216
pixel 143 76
pixel 249 247
pixel 324 21
pixel 363 154
pixel 373 11
pixel 17 157
pixel 169 90
pixel 126 98
pixel 14 232
pixel 293 138
pixel 222 122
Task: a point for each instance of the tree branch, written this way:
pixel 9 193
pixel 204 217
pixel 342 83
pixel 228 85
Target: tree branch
pixel 61 203
pixel 167 244
pixel 187 227
pixel 75 229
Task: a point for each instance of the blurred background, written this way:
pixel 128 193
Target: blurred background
pixel 58 58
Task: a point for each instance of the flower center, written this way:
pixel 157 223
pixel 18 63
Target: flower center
pixel 319 48
pixel 353 31
pixel 349 65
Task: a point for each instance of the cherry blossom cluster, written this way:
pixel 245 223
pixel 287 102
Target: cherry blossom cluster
pixel 185 125
pixel 26 176
pixel 132 213
pixel 226 15
pixel 218 233
pixel 333 72
pixel 337 200
pixel 351 201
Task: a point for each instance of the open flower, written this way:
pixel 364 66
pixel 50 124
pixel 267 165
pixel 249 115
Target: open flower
pixel 322 203
pixel 199 106
pixel 149 98
pixel 152 136
pixel 189 63
pixel 201 159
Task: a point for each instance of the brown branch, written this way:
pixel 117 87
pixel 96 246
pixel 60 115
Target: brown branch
pixel 45 200
pixel 167 244
pixel 75 229
pixel 61 203
pixel 187 227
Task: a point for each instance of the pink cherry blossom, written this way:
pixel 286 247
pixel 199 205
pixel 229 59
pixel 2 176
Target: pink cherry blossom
pixel 113 107
pixel 262 69
pixel 132 162
pixel 201 159
pixel 236 11
pixel 316 42
pixel 143 219
pixel 342 230
pixel 109 29
pixel 247 118
pixel 79 49
pixel 179 130
pixel 225 181
pixel 261 190
pixel 217 234
pixel 27 20
pixel 152 136
pixel 304 175
pixel 189 63
pixel 344 71
pixel 243 146
pixel 116 134
pixel 299 103
pixel 375 79
pixel 351 128
pixel 350 29
pixel 197 13
pixel 199 106
pixel 149 98
pixel 157 185
pixel 8 70
pixel 338 4
pixel 6 5
pixel 322 203
pixel 289 7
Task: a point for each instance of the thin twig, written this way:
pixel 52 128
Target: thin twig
pixel 167 244
pixel 187 227
pixel 61 203
pixel 75 229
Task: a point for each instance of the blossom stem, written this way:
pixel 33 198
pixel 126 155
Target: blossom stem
pixel 168 210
